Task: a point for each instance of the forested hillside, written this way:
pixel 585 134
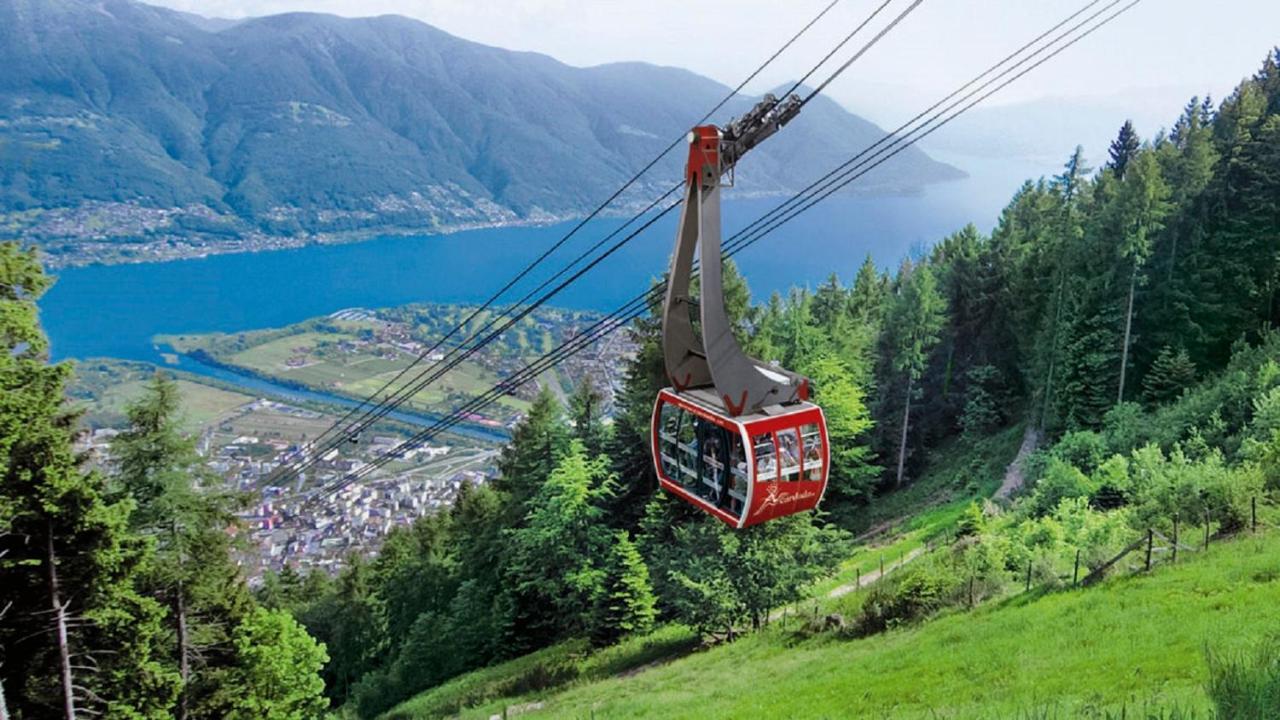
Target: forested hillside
pixel 1128 313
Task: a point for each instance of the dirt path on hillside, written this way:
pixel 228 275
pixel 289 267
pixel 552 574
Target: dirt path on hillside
pixel 875 575
pixel 1013 479
pixel 1013 476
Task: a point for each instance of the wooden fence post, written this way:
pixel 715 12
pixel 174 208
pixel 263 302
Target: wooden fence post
pixel 1028 574
pixel 1206 529
pixel 970 591
pixel 857 578
pixel 1253 511
pixel 1151 541
pixel 881 565
pixel 1175 538
pixel 1075 574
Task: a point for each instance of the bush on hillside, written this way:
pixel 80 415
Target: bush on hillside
pixel 1165 485
pixel 1084 449
pixel 923 588
pixel 1061 481
pixel 1125 427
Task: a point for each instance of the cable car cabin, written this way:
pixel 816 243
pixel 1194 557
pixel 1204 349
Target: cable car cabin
pixel 744 470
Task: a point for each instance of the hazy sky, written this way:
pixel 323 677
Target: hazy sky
pixel 1176 47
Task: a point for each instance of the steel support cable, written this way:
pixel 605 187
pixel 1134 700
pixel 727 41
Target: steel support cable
pixel 836 49
pixel 594 213
pixel 387 405
pixel 619 320
pixel 461 353
pixel 523 273
pixel 883 31
pixel 840 177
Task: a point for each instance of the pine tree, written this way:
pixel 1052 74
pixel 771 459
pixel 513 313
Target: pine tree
pixel 536 446
pixel 1171 374
pixel 1123 149
pixel 913 321
pixel 1142 207
pixel 553 558
pixel 625 603
pixel 852 474
pixel 628 445
pixel 586 412
pixel 831 307
pixel 866 299
pixel 68 562
pixel 178 504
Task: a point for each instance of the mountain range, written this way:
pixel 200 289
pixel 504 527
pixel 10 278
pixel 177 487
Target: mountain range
pixel 124 123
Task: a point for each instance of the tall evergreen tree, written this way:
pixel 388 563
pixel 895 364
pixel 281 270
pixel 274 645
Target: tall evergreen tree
pixel 1123 149
pixel 276 675
pixel 625 604
pixel 1171 374
pixel 1142 207
pixel 536 446
pixel 912 323
pixel 586 412
pixel 178 504
pixel 555 556
pixel 68 562
pixel 852 473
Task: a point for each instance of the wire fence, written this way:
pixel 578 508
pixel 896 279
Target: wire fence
pixel 1152 547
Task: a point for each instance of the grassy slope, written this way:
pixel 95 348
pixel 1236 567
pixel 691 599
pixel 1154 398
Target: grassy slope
pixel 1131 641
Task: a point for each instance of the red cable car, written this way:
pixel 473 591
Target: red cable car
pixel 700 457
pixel 734 436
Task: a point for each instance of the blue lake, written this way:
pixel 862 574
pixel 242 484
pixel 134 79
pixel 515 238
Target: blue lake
pixel 114 311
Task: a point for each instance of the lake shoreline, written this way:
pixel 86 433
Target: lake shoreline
pixel 172 248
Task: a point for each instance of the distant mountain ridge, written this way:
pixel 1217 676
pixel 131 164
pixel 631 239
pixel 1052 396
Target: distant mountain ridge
pixel 121 121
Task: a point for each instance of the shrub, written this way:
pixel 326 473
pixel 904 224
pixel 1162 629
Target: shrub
pixel 1111 483
pixel 1266 455
pixel 1061 480
pixel 1084 449
pixel 922 589
pixel 1246 686
pixel 1124 427
pixel 1164 485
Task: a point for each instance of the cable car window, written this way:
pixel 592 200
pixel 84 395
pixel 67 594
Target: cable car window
pixel 668 425
pixel 789 453
pixel 711 442
pixel 687 450
pixel 812 439
pixel 737 475
pixel 766 458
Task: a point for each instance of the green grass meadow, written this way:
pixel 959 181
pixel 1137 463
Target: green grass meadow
pixel 1133 646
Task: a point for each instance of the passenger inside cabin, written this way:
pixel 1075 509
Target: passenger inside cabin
pixel 766 461
pixel 789 450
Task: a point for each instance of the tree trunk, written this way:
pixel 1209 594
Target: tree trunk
pixel 60 617
pixel 184 641
pixel 1053 351
pixel 4 709
pixel 906 422
pixel 1128 328
pixel 184 655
